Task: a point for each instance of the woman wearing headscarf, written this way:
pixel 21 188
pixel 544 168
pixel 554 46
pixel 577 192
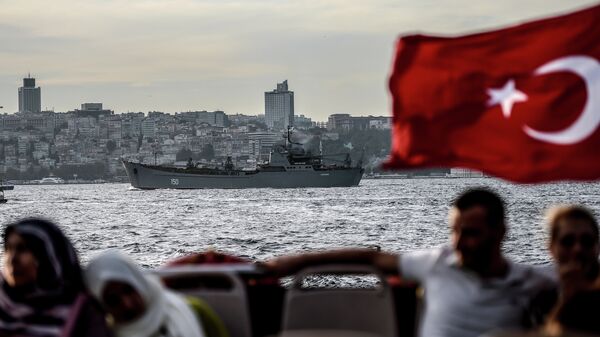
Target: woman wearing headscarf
pixel 41 291
pixel 137 303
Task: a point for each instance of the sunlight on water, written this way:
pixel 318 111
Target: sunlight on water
pixel 397 215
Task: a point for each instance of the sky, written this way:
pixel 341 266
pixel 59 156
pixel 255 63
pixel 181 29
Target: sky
pixel 186 55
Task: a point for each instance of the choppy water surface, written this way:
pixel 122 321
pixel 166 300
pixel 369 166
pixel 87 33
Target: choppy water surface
pixel 397 215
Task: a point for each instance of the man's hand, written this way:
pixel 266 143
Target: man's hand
pixel 573 279
pixel 291 264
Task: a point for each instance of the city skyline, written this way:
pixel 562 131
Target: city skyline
pixel 188 55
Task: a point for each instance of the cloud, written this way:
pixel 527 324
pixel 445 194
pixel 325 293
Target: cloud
pixel 336 53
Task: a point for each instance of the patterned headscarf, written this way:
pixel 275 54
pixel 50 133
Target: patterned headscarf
pixel 44 309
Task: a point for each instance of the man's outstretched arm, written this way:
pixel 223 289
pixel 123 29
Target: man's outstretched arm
pixel 291 264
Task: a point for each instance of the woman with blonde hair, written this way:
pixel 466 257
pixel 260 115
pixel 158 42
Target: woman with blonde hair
pixel 575 246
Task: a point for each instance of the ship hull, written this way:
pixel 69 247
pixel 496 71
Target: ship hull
pixel 153 177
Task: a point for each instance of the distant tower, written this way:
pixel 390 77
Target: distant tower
pixel 279 107
pixel 29 96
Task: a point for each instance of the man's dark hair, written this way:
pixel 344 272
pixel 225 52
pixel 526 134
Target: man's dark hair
pixel 572 212
pixel 490 201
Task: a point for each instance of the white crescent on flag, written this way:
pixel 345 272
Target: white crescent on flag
pixel 588 69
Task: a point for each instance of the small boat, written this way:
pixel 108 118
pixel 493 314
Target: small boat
pixel 50 181
pixel 4 187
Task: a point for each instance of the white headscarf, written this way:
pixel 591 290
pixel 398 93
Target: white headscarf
pixel 167 314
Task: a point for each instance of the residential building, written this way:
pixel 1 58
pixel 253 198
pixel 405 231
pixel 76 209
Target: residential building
pixel 345 122
pixel 92 110
pixel 148 127
pixel 214 118
pixel 303 122
pixel 264 142
pixel 131 124
pixel 339 122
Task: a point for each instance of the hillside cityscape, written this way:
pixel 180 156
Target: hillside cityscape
pixel 89 143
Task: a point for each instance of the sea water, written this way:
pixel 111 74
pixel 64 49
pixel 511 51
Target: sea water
pixel 396 215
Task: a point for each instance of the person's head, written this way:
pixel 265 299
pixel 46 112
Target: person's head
pixel 20 263
pixel 37 254
pixel 122 301
pixel 124 291
pixel 574 237
pixel 478 226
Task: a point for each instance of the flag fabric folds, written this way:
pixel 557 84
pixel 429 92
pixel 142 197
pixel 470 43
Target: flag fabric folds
pixel 521 103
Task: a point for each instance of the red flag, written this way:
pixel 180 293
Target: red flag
pixel 521 103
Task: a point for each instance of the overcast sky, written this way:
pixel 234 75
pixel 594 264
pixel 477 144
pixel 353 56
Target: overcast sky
pixel 181 55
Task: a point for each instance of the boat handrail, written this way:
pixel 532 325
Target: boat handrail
pixel 207 268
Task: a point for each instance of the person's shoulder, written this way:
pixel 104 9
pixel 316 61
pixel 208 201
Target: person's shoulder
pixel 86 318
pixel 547 271
pixel 437 251
pixel 443 250
pixel 444 254
pixel 418 264
pixel 543 277
pixel 430 254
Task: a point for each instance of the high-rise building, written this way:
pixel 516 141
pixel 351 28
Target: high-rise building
pixel 29 96
pixel 279 107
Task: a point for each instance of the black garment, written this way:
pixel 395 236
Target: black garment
pixel 47 308
pixel 59 273
pixel 580 312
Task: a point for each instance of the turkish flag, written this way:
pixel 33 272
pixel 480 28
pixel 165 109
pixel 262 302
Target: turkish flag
pixel 521 103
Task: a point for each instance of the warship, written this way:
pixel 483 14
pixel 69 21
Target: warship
pixel 289 166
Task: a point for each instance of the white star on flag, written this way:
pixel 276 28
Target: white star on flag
pixel 506 96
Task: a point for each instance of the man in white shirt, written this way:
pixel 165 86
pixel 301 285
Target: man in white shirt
pixel 470 287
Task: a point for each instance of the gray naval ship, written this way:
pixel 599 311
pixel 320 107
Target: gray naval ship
pixel 288 167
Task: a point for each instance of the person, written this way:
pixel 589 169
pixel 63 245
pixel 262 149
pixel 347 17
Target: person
pixel 42 291
pixel 575 246
pixel 137 303
pixel 470 286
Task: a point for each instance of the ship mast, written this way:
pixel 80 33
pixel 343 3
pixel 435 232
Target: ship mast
pixel 320 147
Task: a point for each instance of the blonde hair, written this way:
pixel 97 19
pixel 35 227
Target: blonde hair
pixel 571 212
